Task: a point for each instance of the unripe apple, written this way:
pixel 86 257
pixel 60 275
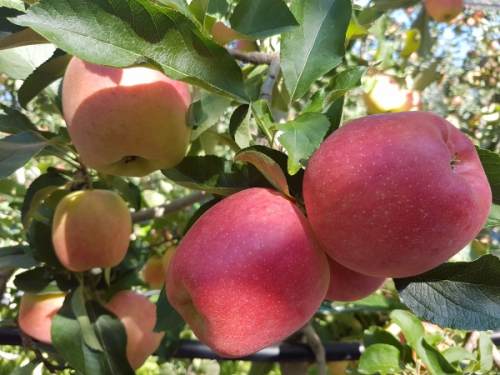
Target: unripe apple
pixel 91 228
pixel 248 273
pixel 444 10
pixel 125 122
pixel 347 285
pixel 36 312
pixel 395 195
pixel 138 315
pixel 388 96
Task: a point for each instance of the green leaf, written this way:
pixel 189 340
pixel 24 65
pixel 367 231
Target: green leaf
pixel 40 238
pixel 264 118
pixel 491 164
pixel 12 188
pixel 167 318
pixel 461 295
pixel 239 126
pixel 130 32
pixel 338 86
pixel 426 39
pixel 130 191
pixel 456 354
pixel 301 137
pixel 334 114
pixel 267 166
pixel 40 189
pixel 88 335
pixel 260 19
pixel 426 76
pixel 210 173
pixel 493 217
pixel 434 361
pixel 37 280
pixel 14 122
pixel 380 358
pixel 377 335
pixel 16 150
pixel 7 28
pixel 486 352
pixel 20 62
pixel 259 368
pixel 16 260
pixel 410 325
pixel 317 46
pixel 27 369
pixel 43 76
pixel 213 108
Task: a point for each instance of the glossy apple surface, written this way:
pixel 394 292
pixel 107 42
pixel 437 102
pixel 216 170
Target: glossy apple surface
pixel 388 96
pixel 138 314
pixel 248 273
pixel 444 10
pixel 126 122
pixel 36 312
pixel 347 285
pixel 91 228
pixel 395 195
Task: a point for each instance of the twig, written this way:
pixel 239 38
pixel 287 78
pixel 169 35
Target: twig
pixel 170 206
pixel 254 58
pixel 472 342
pixel 266 90
pixel 317 347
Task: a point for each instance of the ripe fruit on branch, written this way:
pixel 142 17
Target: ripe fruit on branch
pixel 91 228
pixel 248 273
pixel 444 10
pixel 156 267
pixel 126 122
pixel 36 312
pixel 395 195
pixel 347 285
pixel 138 314
pixel 388 96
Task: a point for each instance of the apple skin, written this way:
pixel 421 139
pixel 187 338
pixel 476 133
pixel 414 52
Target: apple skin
pixel 444 10
pixel 347 285
pixel 91 228
pixel 395 195
pixel 244 45
pixel 156 267
pixel 36 312
pixel 125 122
pixel 248 273
pixel 138 314
pixel 388 96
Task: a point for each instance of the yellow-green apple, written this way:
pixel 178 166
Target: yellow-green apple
pixel 138 315
pixel 127 122
pixel 388 96
pixel 444 10
pixel 248 273
pixel 395 195
pixel 156 267
pixel 347 285
pixel 91 228
pixel 36 312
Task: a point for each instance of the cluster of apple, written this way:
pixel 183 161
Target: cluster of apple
pixel 122 122
pixel 389 195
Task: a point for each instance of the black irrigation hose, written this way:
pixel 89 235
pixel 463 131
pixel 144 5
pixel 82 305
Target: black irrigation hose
pixel 339 351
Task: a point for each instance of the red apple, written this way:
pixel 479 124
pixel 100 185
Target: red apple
pixel 347 285
pixel 138 315
pixel 91 229
pixel 444 10
pixel 36 312
pixel 395 195
pixel 248 273
pixel 126 122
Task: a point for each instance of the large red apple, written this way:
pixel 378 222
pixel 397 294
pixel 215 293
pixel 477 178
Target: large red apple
pixel 347 285
pixel 138 315
pixel 444 10
pixel 395 195
pixel 36 312
pixel 127 122
pixel 248 273
pixel 91 228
